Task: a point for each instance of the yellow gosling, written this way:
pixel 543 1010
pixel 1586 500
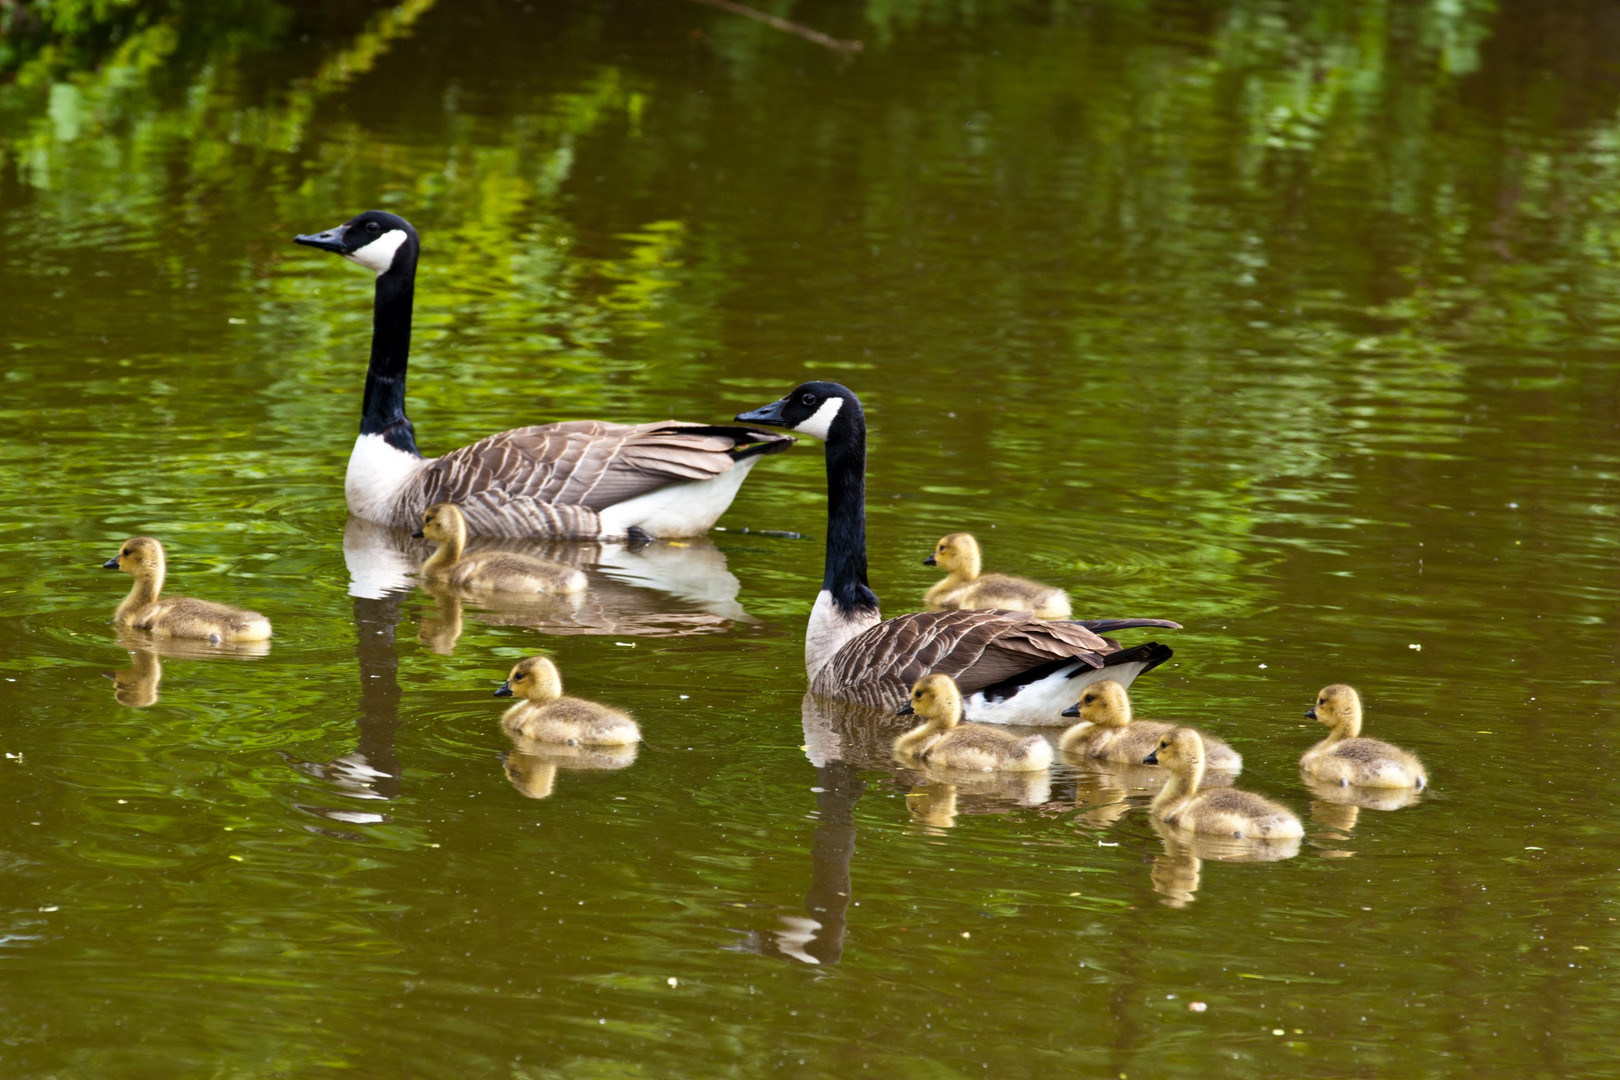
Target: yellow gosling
pixel 141 557
pixel 964 587
pixel 942 740
pixel 492 571
pixel 546 716
pixel 1106 732
pixel 1241 815
pixel 1346 759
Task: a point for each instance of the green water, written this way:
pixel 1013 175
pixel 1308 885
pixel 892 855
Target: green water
pixel 1294 322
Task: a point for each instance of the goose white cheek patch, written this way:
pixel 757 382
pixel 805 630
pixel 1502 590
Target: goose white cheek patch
pixel 819 424
pixel 378 255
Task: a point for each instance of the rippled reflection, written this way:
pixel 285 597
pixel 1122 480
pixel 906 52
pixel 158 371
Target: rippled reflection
pixel 532 767
pixel 658 589
pixel 1178 872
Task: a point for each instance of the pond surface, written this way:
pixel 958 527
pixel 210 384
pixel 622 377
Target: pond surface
pixel 1296 323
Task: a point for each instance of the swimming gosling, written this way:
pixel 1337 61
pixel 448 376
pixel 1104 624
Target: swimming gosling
pixel 545 715
pixel 141 557
pixel 1217 811
pixel 964 587
pixel 1106 731
pixel 944 741
pixel 491 571
pixel 1346 759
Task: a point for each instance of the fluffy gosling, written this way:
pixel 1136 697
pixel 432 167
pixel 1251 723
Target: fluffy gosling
pixel 942 740
pixel 1242 815
pixel 1107 732
pixel 964 587
pixel 1346 759
pixel 141 557
pixel 491 571
pixel 545 715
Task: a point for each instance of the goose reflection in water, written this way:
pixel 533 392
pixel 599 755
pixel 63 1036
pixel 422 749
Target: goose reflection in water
pixel 137 685
pixel 656 589
pixel 1178 872
pixel 532 767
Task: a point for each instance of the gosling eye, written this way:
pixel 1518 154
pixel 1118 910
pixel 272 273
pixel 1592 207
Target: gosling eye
pixel 123 553
pixel 808 399
pixel 1090 698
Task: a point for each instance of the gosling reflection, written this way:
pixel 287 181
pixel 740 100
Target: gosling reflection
pixel 532 767
pixel 137 685
pixel 1336 810
pixel 942 794
pixel 656 589
pixel 1177 873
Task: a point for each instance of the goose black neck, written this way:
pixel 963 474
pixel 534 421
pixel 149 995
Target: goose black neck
pixel 845 575
pixel 383 411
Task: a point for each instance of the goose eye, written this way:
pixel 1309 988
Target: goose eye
pixel 372 226
pixel 808 399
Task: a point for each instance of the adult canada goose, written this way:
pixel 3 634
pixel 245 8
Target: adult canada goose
pixel 545 715
pixel 964 587
pixel 1106 731
pixel 582 479
pixel 142 558
pixel 492 571
pixel 1011 668
pixel 943 740
pixel 1344 758
pixel 1217 811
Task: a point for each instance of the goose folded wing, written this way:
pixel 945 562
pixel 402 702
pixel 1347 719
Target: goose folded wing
pixel 976 648
pixel 589 463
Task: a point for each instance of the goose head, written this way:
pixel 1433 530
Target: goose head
pixel 377 240
pixel 1339 707
pixel 535 679
pixel 824 410
pixel 936 699
pixel 1104 703
pixel 958 551
pixel 141 557
pixel 1181 751
pixel 443 523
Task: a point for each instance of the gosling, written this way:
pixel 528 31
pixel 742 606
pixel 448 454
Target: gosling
pixel 493 571
pixel 944 741
pixel 1242 815
pixel 141 558
pixel 964 587
pixel 545 715
pixel 1345 759
pixel 1106 732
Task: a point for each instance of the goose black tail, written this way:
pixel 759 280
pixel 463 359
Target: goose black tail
pixel 1151 652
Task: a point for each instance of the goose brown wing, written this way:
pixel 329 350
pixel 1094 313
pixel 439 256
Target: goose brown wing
pixel 976 648
pixel 590 463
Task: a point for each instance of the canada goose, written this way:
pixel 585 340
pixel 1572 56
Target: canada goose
pixel 1344 758
pixel 1217 811
pixel 493 571
pixel 141 557
pixel 583 478
pixel 1106 731
pixel 546 716
pixel 943 740
pixel 1013 669
pixel 965 587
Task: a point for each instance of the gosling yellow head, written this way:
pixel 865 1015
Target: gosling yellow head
pixel 1339 707
pixel 443 523
pixel 1104 703
pixel 1181 750
pixel 957 553
pixel 141 557
pixel 535 679
pixel 936 699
